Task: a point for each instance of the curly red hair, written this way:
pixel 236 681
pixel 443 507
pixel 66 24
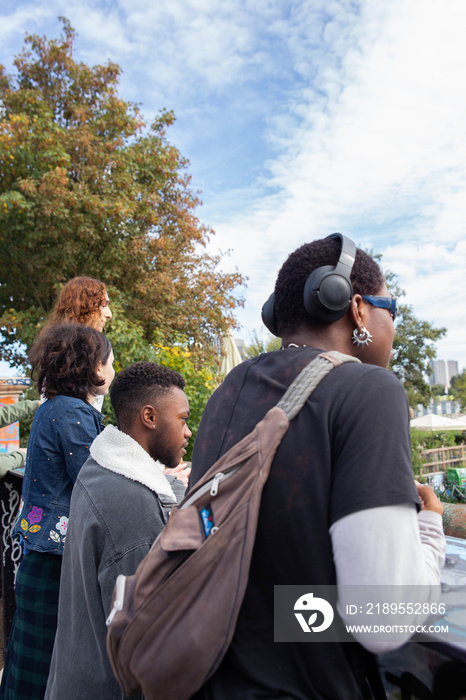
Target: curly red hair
pixel 79 301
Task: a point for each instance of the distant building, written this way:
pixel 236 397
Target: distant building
pixel 439 407
pixel 443 372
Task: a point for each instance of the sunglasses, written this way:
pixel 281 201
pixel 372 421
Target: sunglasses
pixel 390 303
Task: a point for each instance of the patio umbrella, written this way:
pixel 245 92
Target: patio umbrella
pixel 460 422
pixel 230 354
pixel 434 422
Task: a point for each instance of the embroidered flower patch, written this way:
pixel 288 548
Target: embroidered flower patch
pixel 62 525
pixel 35 516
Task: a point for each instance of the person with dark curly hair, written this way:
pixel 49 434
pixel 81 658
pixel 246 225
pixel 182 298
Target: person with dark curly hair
pixel 340 507
pixel 82 300
pixel 120 503
pixel 73 364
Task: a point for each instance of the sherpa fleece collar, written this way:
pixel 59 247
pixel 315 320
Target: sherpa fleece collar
pixel 119 453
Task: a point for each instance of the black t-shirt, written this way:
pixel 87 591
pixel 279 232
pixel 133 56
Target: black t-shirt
pixel 347 450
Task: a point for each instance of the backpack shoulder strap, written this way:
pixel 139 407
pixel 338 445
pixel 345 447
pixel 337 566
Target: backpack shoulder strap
pixel 308 379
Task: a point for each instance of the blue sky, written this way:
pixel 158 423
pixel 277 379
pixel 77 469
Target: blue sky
pixel 301 118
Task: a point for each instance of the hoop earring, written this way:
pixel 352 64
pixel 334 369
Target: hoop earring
pixel 362 338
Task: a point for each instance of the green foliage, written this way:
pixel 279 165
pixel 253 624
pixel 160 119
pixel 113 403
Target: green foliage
pixel 87 188
pixel 438 390
pixel 445 439
pixel 458 497
pixel 433 439
pixel 200 382
pixel 127 336
pixel 417 445
pixel 259 345
pixel 413 349
pixel 458 389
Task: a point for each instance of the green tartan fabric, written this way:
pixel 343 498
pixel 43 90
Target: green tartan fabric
pixel 34 626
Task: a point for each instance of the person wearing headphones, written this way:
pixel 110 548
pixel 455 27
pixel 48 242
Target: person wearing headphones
pixel 340 507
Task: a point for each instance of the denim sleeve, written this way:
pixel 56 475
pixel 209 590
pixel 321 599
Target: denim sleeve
pixel 77 431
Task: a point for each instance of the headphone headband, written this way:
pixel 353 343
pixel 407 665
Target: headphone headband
pixel 327 291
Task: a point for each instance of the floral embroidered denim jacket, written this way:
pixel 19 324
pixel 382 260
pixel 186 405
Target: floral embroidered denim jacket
pixel 61 434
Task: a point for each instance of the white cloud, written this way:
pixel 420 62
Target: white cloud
pixel 377 148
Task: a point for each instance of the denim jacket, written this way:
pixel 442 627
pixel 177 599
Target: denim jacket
pixel 61 434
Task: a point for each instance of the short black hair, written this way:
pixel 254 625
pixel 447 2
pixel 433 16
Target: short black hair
pixel 290 314
pixel 139 384
pixel 65 358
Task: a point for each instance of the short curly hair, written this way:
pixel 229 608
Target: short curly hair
pixel 79 301
pixel 140 384
pixel 65 360
pixel 290 314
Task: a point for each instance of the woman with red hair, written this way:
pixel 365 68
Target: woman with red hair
pixel 82 300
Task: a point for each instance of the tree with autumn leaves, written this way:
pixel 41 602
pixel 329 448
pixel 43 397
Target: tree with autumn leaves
pixel 86 188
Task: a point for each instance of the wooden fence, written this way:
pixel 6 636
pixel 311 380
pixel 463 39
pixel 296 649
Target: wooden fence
pixel 440 459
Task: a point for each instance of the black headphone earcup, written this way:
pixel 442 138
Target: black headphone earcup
pixel 268 315
pixel 327 295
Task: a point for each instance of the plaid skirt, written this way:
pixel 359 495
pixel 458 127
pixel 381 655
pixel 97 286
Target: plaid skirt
pixel 34 626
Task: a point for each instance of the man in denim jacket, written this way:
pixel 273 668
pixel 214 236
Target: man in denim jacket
pixel 122 500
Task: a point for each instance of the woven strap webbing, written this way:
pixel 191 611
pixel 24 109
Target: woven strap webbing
pixel 302 387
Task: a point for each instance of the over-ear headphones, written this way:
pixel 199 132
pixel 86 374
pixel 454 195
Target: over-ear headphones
pixel 327 292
